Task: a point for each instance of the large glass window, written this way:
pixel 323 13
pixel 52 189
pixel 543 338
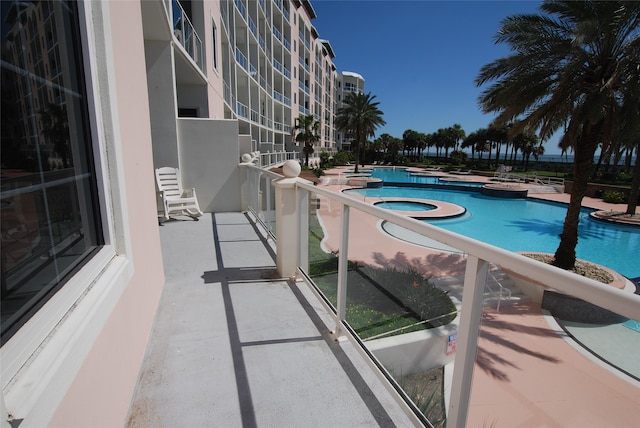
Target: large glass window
pixel 50 219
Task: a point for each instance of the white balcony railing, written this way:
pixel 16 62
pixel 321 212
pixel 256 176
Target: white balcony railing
pixel 284 206
pixel 268 160
pixel 186 34
pixel 242 110
pixel 241 59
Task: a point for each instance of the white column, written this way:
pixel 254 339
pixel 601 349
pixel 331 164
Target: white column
pixel 287 229
pixel 475 278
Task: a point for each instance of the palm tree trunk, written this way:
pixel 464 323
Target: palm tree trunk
pixel 565 256
pixel 356 152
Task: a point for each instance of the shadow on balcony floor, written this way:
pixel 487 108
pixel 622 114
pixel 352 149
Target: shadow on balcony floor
pixel 235 345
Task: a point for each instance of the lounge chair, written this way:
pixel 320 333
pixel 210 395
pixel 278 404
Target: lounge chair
pixel 175 199
pixel 460 172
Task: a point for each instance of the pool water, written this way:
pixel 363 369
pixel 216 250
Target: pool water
pixel 400 175
pixel 405 206
pixel 529 225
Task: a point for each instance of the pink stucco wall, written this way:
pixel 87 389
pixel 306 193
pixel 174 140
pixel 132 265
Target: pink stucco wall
pixel 101 392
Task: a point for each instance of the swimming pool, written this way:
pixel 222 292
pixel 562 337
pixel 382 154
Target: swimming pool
pixel 401 175
pixel 528 225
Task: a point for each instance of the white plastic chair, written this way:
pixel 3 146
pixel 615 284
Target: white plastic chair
pixel 175 199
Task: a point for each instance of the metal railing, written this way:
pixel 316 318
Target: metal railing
pixel 241 59
pixel 285 211
pixel 242 110
pixel 241 8
pixel 186 34
pixel 252 27
pixel 269 160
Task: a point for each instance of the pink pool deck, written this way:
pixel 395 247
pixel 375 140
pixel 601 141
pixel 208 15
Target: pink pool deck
pixel 527 372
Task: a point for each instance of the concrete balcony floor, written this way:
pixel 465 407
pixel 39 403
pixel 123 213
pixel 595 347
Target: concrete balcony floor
pixel 235 345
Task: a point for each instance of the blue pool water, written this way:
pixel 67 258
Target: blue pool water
pixel 405 206
pixel 400 175
pixel 529 225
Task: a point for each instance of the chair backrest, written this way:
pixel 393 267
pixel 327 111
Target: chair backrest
pixel 168 180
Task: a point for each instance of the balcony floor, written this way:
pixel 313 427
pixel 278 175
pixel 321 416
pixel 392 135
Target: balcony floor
pixel 235 345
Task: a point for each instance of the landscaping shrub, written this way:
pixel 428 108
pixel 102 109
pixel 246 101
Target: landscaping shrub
pixel 342 157
pixel 614 197
pixel 458 157
pixel 324 160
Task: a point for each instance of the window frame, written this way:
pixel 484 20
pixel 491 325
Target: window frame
pixel 40 361
pixel 214 45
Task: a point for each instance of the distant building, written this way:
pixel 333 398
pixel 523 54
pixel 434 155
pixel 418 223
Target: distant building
pixel 349 82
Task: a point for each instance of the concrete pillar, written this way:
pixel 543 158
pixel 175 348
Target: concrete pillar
pixel 287 230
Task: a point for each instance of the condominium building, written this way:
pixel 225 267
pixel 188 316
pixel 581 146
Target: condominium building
pixel 95 96
pixel 349 82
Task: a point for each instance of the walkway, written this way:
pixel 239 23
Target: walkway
pixel 235 346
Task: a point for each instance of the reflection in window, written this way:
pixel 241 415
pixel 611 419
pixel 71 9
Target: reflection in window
pixel 50 217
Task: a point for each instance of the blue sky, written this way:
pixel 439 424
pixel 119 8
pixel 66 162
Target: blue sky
pixel 419 58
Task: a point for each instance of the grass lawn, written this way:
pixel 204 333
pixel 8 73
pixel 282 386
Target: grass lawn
pixel 379 301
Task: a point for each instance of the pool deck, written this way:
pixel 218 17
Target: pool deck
pixel 529 372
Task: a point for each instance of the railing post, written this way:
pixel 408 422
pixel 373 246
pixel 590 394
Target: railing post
pixel 303 197
pixel 268 212
pixel 287 229
pixel 248 185
pixel 343 270
pixel 475 278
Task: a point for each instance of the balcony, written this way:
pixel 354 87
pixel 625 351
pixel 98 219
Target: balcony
pixel 242 110
pixel 277 65
pixel 241 59
pixel 241 330
pixel 252 28
pixel 241 8
pixel 186 34
pixel 277 33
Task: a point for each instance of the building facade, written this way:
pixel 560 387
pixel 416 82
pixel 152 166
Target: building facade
pixel 96 95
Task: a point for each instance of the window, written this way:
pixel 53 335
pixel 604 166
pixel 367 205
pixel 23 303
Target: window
pixel 50 221
pixel 350 87
pixel 214 45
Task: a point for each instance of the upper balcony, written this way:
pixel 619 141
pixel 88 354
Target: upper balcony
pixel 186 35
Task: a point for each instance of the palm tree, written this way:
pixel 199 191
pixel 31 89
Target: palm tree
pixel 359 117
pixel 411 140
pixel 457 134
pixel 309 134
pixel 569 64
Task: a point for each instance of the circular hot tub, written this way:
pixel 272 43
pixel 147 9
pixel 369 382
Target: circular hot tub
pixel 420 208
pixel 405 205
pixel 504 191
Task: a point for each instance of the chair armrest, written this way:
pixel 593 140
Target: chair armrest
pixel 189 193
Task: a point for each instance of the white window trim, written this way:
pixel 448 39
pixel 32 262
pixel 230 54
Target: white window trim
pixel 41 360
